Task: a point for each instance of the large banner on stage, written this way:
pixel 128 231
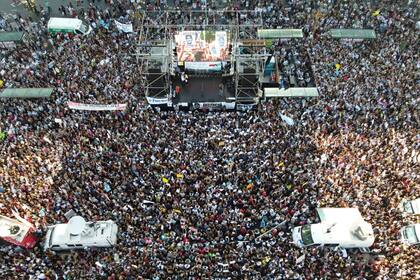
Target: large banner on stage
pixel 200 46
pixel 208 66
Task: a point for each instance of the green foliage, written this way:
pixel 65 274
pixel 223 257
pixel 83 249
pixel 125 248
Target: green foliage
pixel 3 136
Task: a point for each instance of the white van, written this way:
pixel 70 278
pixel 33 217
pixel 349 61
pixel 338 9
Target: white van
pixel 410 206
pixel 79 234
pixel 410 235
pixel 339 227
pixel 68 25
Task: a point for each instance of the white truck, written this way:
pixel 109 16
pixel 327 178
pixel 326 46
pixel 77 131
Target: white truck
pixel 410 206
pixel 68 25
pixel 410 235
pixel 79 234
pixel 339 227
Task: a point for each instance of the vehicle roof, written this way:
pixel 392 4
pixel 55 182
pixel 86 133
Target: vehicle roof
pixel 59 235
pixel 416 205
pixel 26 93
pixel 64 22
pixel 342 233
pixel 94 231
pixel 11 36
pixel 342 215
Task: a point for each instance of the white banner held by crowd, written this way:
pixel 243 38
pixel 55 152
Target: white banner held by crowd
pixel 300 259
pixel 96 107
pixel 245 107
pixel 157 101
pixel 287 119
pixel 124 27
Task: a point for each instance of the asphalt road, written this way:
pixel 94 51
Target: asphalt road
pixel 9 7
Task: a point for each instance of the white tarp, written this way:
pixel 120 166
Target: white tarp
pixel 96 107
pixel 124 27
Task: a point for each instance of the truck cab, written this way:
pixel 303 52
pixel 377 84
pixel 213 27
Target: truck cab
pixel 79 234
pixel 339 227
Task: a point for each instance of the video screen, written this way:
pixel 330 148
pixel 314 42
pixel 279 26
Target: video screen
pixel 198 46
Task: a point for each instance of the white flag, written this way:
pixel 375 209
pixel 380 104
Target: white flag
pixel 287 119
pixel 300 259
pixel 124 27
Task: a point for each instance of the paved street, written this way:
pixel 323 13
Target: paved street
pixel 8 7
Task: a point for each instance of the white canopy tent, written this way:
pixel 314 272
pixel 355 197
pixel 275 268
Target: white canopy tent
pixel 291 92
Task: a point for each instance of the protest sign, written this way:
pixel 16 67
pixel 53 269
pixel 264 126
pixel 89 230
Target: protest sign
pixel 156 101
pixel 96 107
pixel 287 119
pixel 300 259
pixel 124 27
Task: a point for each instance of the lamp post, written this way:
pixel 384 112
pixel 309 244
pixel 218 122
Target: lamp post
pixel 47 7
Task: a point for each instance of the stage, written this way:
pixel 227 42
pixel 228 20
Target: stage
pixel 204 89
pixel 216 69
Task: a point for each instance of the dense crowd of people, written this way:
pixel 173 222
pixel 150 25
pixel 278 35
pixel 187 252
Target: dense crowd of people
pixel 217 181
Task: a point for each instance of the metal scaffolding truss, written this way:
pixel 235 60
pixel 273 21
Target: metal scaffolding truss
pixel 249 57
pixel 154 58
pixel 249 68
pixel 157 70
pixel 156 43
pixel 178 20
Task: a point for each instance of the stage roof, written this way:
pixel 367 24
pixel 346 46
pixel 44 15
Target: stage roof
pixel 26 93
pixel 291 92
pixel 280 33
pixel 11 36
pixel 353 33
